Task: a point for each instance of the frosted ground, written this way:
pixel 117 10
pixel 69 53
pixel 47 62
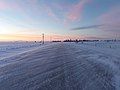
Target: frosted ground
pixel 60 66
pixel 8 49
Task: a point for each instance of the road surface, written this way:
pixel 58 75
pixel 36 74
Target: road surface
pixel 58 67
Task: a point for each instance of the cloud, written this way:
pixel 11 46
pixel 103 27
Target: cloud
pixel 34 4
pixel 69 12
pixel 33 1
pixel 51 13
pixel 9 5
pixel 76 10
pixel 88 27
pixel 111 19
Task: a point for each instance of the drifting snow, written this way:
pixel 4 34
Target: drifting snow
pixel 8 49
pixel 62 66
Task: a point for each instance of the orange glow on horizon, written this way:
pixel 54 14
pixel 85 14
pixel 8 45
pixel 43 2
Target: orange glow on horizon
pixel 17 37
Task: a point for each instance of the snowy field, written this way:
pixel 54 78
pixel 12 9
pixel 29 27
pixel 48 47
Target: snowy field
pixel 111 47
pixel 61 66
pixel 8 49
pixel 104 44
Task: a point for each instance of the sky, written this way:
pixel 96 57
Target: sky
pixel 59 19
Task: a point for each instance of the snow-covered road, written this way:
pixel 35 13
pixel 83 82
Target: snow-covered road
pixel 60 66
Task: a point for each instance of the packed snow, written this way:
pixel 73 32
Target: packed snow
pixel 62 66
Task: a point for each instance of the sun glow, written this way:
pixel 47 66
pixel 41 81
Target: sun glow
pixel 31 37
pixel 19 37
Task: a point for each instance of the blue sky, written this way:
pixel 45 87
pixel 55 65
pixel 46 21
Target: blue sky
pixel 60 17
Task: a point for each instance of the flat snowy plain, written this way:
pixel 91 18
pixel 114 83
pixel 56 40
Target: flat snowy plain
pixel 60 66
pixel 8 49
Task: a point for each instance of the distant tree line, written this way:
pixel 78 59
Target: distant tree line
pixel 57 41
pixel 85 40
pixel 77 40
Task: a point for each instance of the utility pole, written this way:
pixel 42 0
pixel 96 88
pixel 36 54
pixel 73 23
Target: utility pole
pixel 43 38
pixel 50 38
